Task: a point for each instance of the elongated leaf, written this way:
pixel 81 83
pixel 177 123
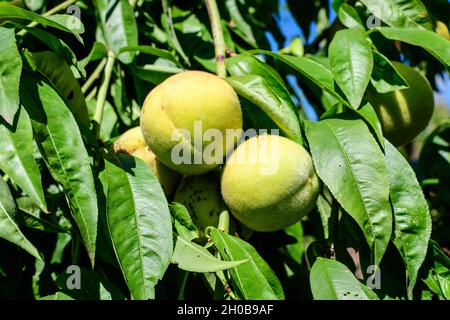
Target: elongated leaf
pixel 351 164
pixel 311 69
pixel 385 77
pixel 367 112
pixel 255 89
pixel 59 47
pixel 10 69
pixel 349 17
pixel 8 227
pixel 255 280
pixel 169 29
pixel 10 12
pixel 62 147
pixel 57 296
pixel 58 72
pixel 438 46
pixel 297 249
pixel 401 13
pixel 182 221
pixel 243 65
pixel 240 26
pixel 16 158
pixel 412 218
pixel 152 51
pixel 332 280
pixel 351 63
pixel 324 208
pixel 30 221
pixel 438 270
pixel 69 21
pixel 139 222
pixel 192 257
pixel 118 25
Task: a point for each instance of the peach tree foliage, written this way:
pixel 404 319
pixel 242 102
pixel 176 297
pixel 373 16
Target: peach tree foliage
pixel 87 223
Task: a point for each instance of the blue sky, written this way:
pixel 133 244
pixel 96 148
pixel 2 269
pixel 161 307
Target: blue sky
pixel 291 30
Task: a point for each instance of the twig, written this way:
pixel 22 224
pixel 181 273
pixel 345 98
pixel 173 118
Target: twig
pixel 219 42
pixel 170 29
pixel 101 97
pixel 226 285
pixel 94 76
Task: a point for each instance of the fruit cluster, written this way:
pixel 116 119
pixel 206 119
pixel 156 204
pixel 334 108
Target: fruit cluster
pixel 267 182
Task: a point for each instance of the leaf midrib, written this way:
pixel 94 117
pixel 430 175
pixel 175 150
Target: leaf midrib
pixel 355 180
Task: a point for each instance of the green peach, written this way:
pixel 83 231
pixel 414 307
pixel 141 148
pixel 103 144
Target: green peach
pixel 200 194
pixel 404 113
pixel 173 109
pixel 132 142
pixel 269 183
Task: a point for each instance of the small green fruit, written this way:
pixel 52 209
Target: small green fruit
pixel 201 196
pixel 132 142
pixel 182 104
pixel 404 113
pixel 269 183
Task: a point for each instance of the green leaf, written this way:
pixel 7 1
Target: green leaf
pixel 8 227
pixel 240 26
pixel 57 296
pixel 169 29
pixel 367 112
pixel 316 72
pixel 401 13
pixel 385 77
pixel 282 110
pixel 349 17
pixel 155 73
pixel 139 223
pixel 16 158
pixel 296 250
pixel 192 257
pixel 109 120
pixel 351 62
pixel 93 285
pixel 332 280
pixel 438 46
pixel 62 147
pixel 58 72
pixel 255 89
pixel 435 155
pixel 412 220
pixel 98 51
pixel 59 47
pixel 69 21
pixel 118 26
pixel 438 271
pixel 30 221
pixel 10 69
pixel 324 208
pixel 10 12
pixel 255 279
pixel 351 164
pixel 184 226
pixel 151 51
